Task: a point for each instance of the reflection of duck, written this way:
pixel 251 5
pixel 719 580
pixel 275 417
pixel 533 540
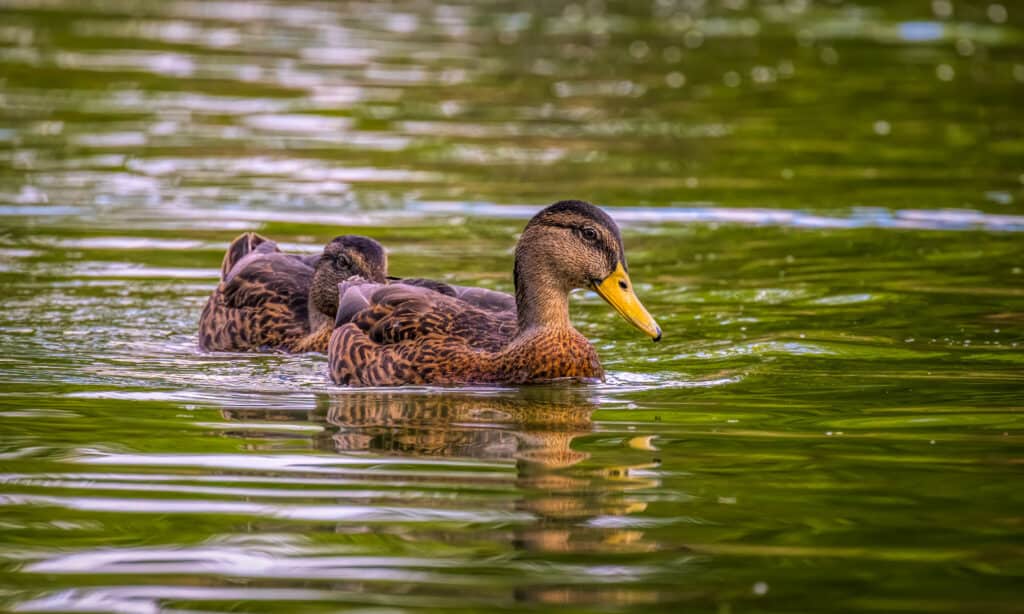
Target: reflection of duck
pixel 267 299
pixel 402 334
pixel 533 429
pixel 561 488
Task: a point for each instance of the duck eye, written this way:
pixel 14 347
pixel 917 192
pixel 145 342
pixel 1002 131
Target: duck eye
pixel 588 234
pixel 342 260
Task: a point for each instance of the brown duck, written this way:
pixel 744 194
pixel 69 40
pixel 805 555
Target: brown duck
pixel 405 334
pixel 270 300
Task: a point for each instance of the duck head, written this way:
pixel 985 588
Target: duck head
pixel 344 257
pixel 573 244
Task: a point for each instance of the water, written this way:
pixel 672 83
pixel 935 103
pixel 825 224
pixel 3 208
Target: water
pixel 822 206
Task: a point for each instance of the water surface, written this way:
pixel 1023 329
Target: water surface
pixel 821 204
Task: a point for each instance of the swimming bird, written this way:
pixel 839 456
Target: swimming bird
pixel 389 335
pixel 270 300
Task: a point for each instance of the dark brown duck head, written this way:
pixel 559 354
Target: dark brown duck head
pixel 573 244
pixel 344 257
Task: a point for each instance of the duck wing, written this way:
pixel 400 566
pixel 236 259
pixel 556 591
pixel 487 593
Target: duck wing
pixel 481 298
pixel 488 300
pixel 400 312
pixel 390 335
pixel 421 282
pixel 275 277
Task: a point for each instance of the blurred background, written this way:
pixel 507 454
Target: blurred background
pixel 821 202
pixel 230 113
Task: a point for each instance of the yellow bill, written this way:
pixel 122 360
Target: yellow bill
pixel 617 290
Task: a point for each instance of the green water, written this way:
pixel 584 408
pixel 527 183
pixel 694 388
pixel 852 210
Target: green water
pixel 822 206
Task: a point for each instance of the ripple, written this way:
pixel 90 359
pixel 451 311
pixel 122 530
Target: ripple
pixel 127 243
pixel 128 270
pixel 622 381
pixel 254 462
pixel 298 123
pixel 145 599
pixel 245 563
pixel 280 491
pixel 939 219
pixel 312 513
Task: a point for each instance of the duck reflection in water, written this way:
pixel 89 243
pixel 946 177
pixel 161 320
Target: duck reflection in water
pixel 534 427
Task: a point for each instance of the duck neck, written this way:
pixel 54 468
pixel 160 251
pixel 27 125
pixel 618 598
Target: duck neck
pixel 323 299
pixel 542 301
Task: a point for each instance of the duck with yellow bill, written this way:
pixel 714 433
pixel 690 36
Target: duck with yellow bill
pixel 390 335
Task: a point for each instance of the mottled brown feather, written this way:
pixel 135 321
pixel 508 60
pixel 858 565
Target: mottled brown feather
pixel 261 302
pixel 414 335
pixel 267 299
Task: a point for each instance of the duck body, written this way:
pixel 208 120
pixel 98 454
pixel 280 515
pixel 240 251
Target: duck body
pixel 269 300
pixel 415 335
pixel 403 334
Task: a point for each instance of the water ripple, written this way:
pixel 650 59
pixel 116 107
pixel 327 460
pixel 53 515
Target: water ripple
pixel 360 514
pixel 941 219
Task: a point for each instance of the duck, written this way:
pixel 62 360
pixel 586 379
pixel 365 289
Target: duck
pixel 403 334
pixel 269 300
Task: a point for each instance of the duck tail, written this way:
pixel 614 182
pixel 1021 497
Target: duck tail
pixel 243 245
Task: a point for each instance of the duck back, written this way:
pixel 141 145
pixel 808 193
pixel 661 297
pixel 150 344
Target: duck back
pixel 261 302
